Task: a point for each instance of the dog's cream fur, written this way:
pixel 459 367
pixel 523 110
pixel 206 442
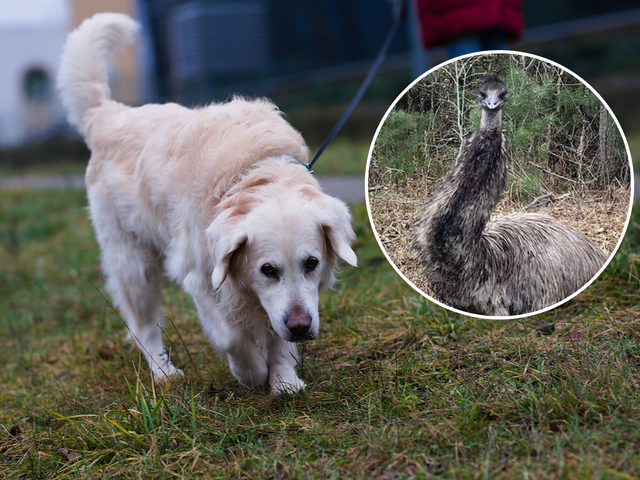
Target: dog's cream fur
pixel 214 198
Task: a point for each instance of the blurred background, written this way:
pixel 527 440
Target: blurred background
pixel 308 57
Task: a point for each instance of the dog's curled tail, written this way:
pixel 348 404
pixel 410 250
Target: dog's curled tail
pixel 83 78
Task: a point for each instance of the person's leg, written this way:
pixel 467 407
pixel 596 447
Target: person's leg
pixel 463 45
pixel 494 39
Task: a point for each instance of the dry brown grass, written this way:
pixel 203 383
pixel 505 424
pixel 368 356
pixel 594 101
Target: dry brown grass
pixel 601 215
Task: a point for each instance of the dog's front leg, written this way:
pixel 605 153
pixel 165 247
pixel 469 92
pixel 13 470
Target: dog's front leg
pixel 246 360
pixel 229 337
pixel 282 358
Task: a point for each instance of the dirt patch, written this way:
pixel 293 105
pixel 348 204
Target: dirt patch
pixel 600 215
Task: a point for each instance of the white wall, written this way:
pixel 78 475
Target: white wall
pixel 20 51
pixel 32 34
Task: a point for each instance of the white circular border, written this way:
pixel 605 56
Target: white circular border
pixel 631 183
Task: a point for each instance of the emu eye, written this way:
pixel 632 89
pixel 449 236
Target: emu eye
pixel 482 95
pixel 269 270
pixel 310 264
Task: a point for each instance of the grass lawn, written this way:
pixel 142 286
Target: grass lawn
pixel 342 157
pixel 634 146
pixel 397 387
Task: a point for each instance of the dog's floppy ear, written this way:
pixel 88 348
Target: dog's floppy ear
pixel 222 259
pixel 224 241
pixel 336 224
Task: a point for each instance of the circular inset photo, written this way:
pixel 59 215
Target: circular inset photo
pixel 499 184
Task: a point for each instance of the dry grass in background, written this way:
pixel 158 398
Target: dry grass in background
pixel 600 215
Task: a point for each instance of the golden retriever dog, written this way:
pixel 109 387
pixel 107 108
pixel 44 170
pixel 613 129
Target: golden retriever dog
pixel 214 198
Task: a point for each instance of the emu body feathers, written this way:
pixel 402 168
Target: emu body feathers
pixel 509 265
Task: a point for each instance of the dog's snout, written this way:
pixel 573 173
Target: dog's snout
pixel 298 321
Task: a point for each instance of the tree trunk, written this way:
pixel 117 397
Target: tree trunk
pixel 606 158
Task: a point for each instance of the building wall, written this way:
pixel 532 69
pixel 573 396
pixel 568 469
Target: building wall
pixel 206 49
pixel 31 44
pixel 39 49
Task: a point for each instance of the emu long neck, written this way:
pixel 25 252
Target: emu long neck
pixel 490 120
pixel 463 204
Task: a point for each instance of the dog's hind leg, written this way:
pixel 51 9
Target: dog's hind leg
pixel 133 280
pixel 282 358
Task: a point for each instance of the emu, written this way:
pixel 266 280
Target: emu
pixel 509 265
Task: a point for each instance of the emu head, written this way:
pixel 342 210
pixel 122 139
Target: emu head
pixel 492 93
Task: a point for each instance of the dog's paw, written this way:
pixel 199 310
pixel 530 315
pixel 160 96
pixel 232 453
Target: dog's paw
pixel 293 385
pixel 167 373
pixel 250 375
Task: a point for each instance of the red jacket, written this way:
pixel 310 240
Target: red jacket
pixel 444 20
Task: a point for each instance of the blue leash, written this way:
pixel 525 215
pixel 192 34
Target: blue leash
pixel 399 7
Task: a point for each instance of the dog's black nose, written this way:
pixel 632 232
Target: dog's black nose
pixel 298 321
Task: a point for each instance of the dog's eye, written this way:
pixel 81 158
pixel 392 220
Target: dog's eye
pixel 310 264
pixel 269 270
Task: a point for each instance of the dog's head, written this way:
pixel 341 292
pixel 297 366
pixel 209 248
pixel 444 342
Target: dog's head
pixel 279 236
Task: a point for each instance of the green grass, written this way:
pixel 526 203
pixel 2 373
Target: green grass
pixel 342 157
pixel 68 168
pixel 634 146
pixel 397 388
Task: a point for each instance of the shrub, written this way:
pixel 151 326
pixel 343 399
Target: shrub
pixel 553 123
